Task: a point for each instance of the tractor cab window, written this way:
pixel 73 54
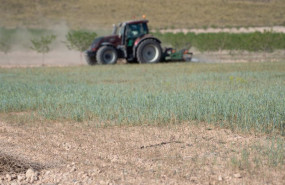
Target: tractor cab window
pixel 144 28
pixel 136 30
pixel 121 31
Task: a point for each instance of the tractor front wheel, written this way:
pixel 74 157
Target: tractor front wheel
pixel 149 51
pixel 91 60
pixel 106 55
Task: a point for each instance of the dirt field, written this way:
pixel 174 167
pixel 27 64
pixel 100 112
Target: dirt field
pixel 162 13
pixel 62 57
pixel 22 58
pixel 71 153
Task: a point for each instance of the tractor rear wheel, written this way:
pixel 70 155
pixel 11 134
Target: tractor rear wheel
pixel 106 55
pixel 149 51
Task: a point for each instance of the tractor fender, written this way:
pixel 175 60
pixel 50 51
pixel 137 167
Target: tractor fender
pixel 139 40
pixel 122 53
pixel 107 44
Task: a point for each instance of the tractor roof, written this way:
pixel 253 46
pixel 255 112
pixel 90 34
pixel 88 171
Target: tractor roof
pixel 136 21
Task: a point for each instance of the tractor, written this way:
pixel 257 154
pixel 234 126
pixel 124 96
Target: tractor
pixel 131 41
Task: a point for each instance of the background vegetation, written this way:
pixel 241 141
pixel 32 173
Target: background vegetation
pixel 257 41
pixel 42 45
pixel 21 37
pixel 238 96
pixel 161 13
pixel 81 40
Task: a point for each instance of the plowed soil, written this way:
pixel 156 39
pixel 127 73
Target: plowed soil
pixel 77 153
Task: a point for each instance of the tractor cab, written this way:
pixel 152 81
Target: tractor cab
pixel 129 32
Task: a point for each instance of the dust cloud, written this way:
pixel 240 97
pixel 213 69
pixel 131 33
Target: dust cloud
pixel 21 54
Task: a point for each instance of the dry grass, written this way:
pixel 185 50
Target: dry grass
pixel 162 13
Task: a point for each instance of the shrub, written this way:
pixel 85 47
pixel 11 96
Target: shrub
pixel 79 40
pixel 5 47
pixel 6 41
pixel 42 45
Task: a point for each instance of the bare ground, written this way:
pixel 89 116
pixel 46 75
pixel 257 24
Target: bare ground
pixel 59 57
pixel 78 153
pixel 62 57
pixel 238 56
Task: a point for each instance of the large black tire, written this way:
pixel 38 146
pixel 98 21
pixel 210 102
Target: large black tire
pixel 149 51
pixel 106 55
pixel 133 61
pixel 90 60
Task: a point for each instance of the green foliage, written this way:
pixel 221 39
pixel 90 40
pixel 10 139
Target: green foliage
pixel 237 96
pixel 20 37
pixel 271 154
pixel 5 47
pixel 267 41
pixel 243 162
pixel 6 40
pixel 79 40
pixel 178 40
pixel 276 152
pixel 42 45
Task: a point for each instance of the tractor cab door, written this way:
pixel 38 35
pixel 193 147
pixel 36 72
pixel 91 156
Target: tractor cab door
pixel 132 32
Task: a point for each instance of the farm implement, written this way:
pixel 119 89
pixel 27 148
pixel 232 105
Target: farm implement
pixel 131 41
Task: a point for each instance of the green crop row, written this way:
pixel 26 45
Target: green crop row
pixel 267 41
pixel 243 96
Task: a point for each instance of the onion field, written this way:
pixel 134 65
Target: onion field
pixel 248 96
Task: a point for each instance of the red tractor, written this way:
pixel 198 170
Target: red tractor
pixel 131 40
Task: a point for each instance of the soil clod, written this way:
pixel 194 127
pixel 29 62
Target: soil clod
pixel 12 165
